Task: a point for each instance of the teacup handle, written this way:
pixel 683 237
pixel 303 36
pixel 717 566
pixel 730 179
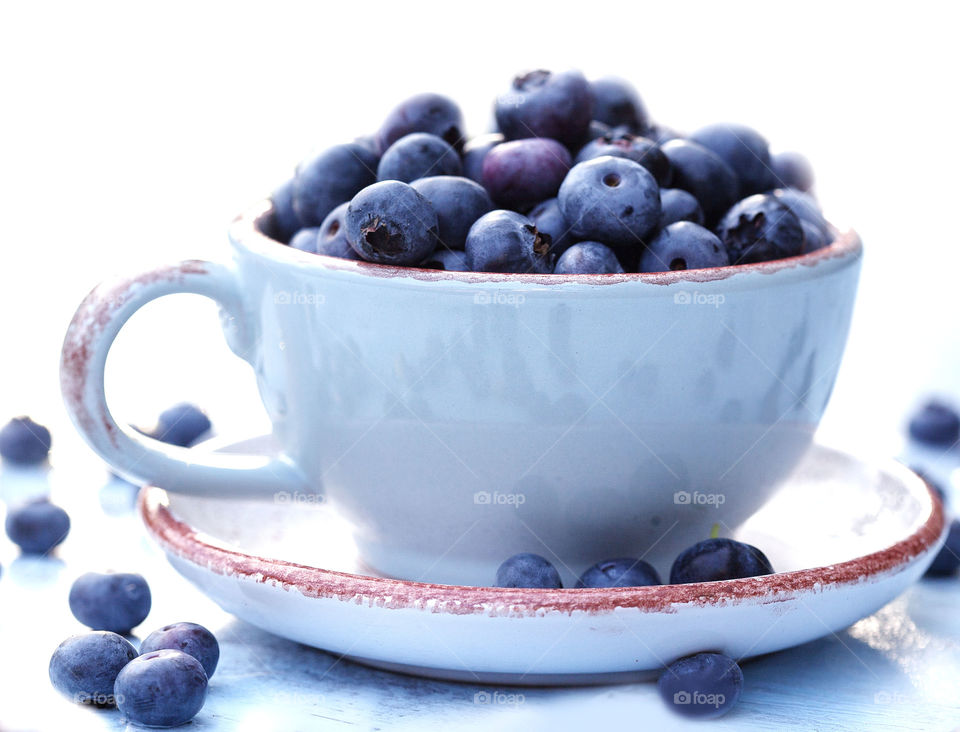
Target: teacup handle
pixel 91 333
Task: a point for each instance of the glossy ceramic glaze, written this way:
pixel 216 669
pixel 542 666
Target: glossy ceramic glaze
pixel 457 418
pixel 294 571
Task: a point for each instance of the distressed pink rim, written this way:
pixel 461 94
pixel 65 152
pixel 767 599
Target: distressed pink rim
pixel 247 230
pixel 180 539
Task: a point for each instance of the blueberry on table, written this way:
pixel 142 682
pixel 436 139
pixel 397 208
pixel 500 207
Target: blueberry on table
pixel 448 260
pixel 331 237
pixel 24 442
pixel 947 561
pixel 616 102
pixel 558 105
pixel 161 689
pixel 116 602
pixel 677 205
pixel 744 150
pixel 431 113
pixel 528 570
pixel 84 667
pixel 332 177
pixel 458 202
pixel 703 686
pixel 619 573
pixel 638 149
pixel 505 241
pixel 588 257
pixel 391 223
pixel 612 200
pixel 718 559
pixel 192 639
pixel 792 170
pixel 683 245
pixel 284 223
pixel 37 526
pixel 548 218
pixel 936 423
pixel 418 155
pixel 700 172
pixel 182 424
pixel 474 153
pixel 759 229
pixel 521 173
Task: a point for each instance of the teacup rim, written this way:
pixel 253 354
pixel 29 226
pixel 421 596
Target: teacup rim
pixel 247 232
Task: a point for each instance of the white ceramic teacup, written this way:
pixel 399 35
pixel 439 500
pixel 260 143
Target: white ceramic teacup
pixel 457 418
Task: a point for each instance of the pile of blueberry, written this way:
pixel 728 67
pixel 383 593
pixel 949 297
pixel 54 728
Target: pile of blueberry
pixel 575 180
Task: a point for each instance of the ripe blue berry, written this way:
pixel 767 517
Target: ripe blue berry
pixel 448 260
pixel 936 423
pixel 588 257
pixel 718 559
pixel 947 561
pixel 305 240
pixel 161 689
pixel 182 424
pixel 332 177
pixel 700 172
pixel 638 149
pixel 418 155
pixel 284 223
pixel 612 200
pixel 84 667
pixel 683 245
pixel 115 602
pixel 744 150
pixel 431 113
pixel 528 570
pixel 474 153
pixel 546 104
pixel 391 223
pixel 760 228
pixel 458 202
pixel 37 526
pixel 616 102
pixel 331 236
pixel 619 573
pixel 792 170
pixel 677 205
pixel 804 207
pixel 548 218
pixel 520 173
pixel 702 686
pixel 505 241
pixel 192 639
pixel 24 442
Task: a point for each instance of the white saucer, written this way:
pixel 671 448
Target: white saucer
pixel 847 537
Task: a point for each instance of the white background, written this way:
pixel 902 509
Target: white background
pixel 132 134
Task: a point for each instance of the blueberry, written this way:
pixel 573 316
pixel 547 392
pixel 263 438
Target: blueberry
pixel 947 561
pixel 449 260
pixel 430 113
pixel 760 228
pixel 528 570
pixel 520 173
pixel 418 155
pixel 24 442
pixel 548 218
pixel 391 223
pixel 616 102
pixel 936 423
pixel 700 172
pixel 116 602
pixel 458 202
pixel 305 240
pixel 619 573
pixel 744 150
pixel 331 237
pixel 284 222
pixel 161 689
pixel 704 686
pixel 85 667
pixel 804 207
pixel 474 153
pixel 677 205
pixel 683 245
pixel 792 170
pixel 37 526
pixel 192 639
pixel 718 559
pixel 638 149
pixel 505 241
pixel 546 104
pixel 813 238
pixel 182 424
pixel 612 200
pixel 330 178
pixel 588 257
